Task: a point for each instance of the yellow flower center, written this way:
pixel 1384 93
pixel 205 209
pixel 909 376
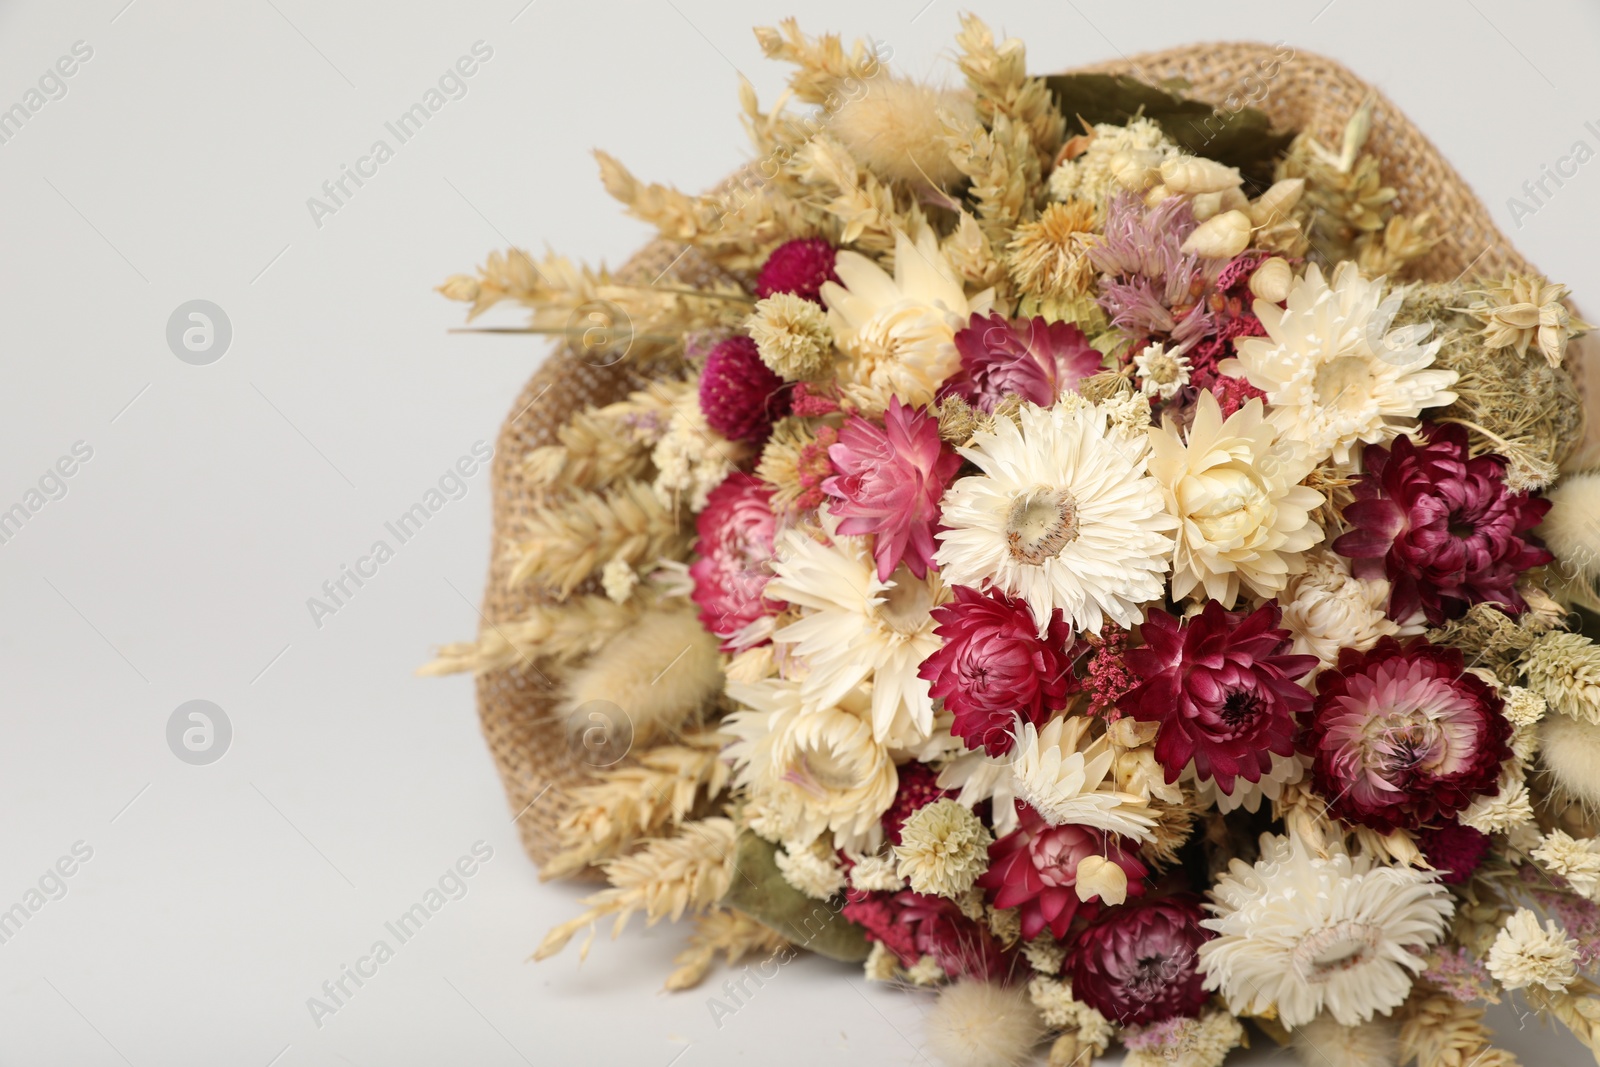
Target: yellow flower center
pixel 1344 384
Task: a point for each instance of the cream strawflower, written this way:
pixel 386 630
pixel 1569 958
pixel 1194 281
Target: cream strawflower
pixel 1327 608
pixel 1244 518
pixel 808 771
pixel 898 333
pixel 1578 861
pixel 1334 373
pixel 978 776
pixel 1504 812
pixel 813 869
pixel 1526 954
pixel 854 628
pixel 1299 933
pixel 1285 770
pixel 1161 373
pixel 1063 516
pixel 1066 777
pixel 943 849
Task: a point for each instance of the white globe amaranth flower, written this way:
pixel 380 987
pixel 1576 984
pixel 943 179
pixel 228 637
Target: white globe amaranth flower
pixel 1064 515
pixel 1244 518
pixel 813 869
pixel 943 849
pixel 792 337
pixel 1526 954
pixel 1335 374
pixel 1116 157
pixel 1578 861
pixel 1299 933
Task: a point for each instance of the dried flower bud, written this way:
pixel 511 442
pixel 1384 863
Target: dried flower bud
pixel 1274 205
pixel 1135 169
pixel 1222 237
pixel 1205 205
pixel 1271 280
pixel 1193 174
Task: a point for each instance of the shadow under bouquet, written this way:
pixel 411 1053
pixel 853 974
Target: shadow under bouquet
pixel 1114 553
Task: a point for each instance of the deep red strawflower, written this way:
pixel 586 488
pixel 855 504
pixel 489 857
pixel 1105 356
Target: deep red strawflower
pixel 913 925
pixel 1032 358
pixel 739 396
pixel 799 267
pixel 889 483
pixel 1035 867
pixel 917 788
pixel 1441 526
pixel 1400 737
pixel 736 532
pixel 1138 964
pixel 1454 850
pixel 993 666
pixel 1223 686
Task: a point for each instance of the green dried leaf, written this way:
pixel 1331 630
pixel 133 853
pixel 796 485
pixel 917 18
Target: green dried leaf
pixel 1242 138
pixel 758 890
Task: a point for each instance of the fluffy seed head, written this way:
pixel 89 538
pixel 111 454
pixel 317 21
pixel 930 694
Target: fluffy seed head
pixel 983 1024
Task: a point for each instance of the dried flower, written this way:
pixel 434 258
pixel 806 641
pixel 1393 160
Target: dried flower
pixel 618 579
pixel 1137 964
pixel 813 869
pixel 1564 668
pixel 1523 308
pixel 1048 258
pixel 1271 280
pixel 943 849
pixel 1327 608
pixel 1576 861
pixel 735 546
pixel 739 396
pixel 798 267
pixel 792 336
pixel 1036 360
pixel 1526 954
pixel 1067 777
pixel 1220 237
pixel 1161 373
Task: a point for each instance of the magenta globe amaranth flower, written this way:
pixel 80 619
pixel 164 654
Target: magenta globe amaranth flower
pixel 1224 687
pixel 735 547
pixel 1138 963
pixel 1441 525
pixel 1031 358
pixel 739 396
pixel 889 483
pixel 1035 868
pixel 1400 737
pixel 994 666
pixel 799 267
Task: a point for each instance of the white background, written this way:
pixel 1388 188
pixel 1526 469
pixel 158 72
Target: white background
pixel 219 498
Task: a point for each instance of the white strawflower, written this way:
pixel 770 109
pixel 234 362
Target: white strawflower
pixel 1327 608
pixel 943 849
pixel 1244 518
pixel 854 628
pixel 809 770
pixel 978 776
pixel 1578 861
pixel 1334 373
pixel 1503 812
pixel 792 336
pixel 1064 775
pixel 898 333
pixel 1064 516
pixel 813 869
pixel 1526 954
pixel 1299 933
pixel 1117 157
pixel 1161 373
pixel 1285 770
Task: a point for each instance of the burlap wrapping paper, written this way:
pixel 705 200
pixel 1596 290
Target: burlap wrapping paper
pixel 1306 92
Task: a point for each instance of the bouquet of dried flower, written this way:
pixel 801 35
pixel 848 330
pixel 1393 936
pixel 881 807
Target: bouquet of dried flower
pixel 1055 549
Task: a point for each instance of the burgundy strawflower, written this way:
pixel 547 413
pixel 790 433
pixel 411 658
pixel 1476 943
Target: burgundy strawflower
pixel 1400 737
pixel 1137 964
pixel 994 666
pixel 917 788
pixel 735 548
pixel 1454 850
pixel 1441 526
pixel 1031 358
pixel 739 396
pixel 799 267
pixel 889 483
pixel 1223 687
pixel 913 925
pixel 1035 867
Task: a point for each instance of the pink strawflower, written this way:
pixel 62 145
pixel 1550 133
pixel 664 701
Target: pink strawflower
pixel 1222 684
pixel 1400 737
pixel 1035 867
pixel 735 548
pixel 889 483
pixel 1454 850
pixel 799 267
pixel 1031 358
pixel 739 396
pixel 1139 963
pixel 1442 526
pixel 917 788
pixel 994 666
